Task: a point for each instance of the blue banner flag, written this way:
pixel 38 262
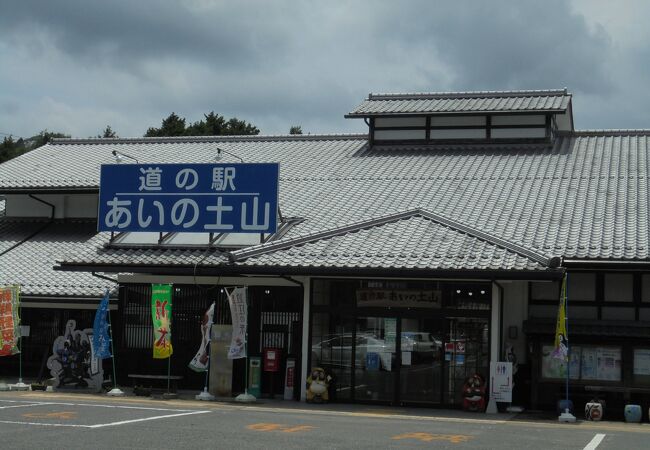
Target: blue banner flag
pixel 101 339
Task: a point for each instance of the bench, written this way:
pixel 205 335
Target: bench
pixel 140 379
pixel 626 391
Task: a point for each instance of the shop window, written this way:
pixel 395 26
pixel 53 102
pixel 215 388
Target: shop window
pixel 581 286
pixel 588 363
pixel 618 313
pixel 619 287
pixel 645 287
pixel 545 290
pixel 642 366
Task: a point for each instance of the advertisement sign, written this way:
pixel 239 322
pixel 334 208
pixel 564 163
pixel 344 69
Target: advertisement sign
pixel 289 378
pixel 161 314
pixel 641 361
pixel 189 198
pixel 405 298
pixel 239 314
pixel 460 347
pixel 501 381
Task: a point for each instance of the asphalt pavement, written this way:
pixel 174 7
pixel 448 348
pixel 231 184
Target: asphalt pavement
pixel 70 421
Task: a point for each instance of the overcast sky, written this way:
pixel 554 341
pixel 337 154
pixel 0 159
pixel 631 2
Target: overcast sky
pixel 76 66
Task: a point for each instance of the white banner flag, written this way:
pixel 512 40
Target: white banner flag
pixel 200 361
pixel 238 311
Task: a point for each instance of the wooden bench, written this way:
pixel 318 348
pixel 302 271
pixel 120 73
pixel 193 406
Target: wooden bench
pixel 140 389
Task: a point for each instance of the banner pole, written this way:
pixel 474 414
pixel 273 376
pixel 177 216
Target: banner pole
pixel 169 368
pixel 115 392
pixel 20 386
pixel 566 327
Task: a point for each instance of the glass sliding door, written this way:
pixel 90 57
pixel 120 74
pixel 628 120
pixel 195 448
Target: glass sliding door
pixel 469 339
pixel 375 357
pixel 422 360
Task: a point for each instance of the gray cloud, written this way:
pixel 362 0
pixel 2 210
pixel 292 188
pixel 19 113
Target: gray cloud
pixel 78 65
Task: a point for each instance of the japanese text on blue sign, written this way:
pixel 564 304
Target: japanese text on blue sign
pixel 190 198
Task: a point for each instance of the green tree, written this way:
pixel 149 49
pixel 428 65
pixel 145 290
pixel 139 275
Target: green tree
pixel 108 133
pixel 171 126
pixel 295 129
pixel 10 148
pixel 212 125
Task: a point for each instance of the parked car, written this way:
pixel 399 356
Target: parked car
pixel 336 351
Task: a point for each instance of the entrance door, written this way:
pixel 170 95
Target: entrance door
pixel 422 360
pixel 375 359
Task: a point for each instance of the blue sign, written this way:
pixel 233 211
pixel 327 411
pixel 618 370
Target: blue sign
pixel 189 198
pixel 372 361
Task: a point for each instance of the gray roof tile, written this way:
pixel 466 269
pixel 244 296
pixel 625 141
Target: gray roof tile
pixel 462 102
pixel 31 263
pixel 586 196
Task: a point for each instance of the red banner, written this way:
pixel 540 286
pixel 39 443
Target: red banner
pixel 9 321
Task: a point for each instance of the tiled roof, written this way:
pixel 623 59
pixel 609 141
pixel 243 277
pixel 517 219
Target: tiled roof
pixel 587 196
pixel 74 164
pixel 2 206
pixel 30 264
pixel 97 253
pixel 411 242
pixel 463 102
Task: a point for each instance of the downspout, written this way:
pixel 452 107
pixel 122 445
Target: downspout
pixel 21 242
pixel 501 289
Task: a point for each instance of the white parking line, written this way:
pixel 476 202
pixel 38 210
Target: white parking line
pixel 97 405
pixel 595 442
pixel 123 422
pixel 22 406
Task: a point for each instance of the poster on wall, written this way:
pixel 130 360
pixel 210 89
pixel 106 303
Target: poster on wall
pixel 553 367
pixel 641 361
pixel 390 330
pixel 589 364
pixel 609 363
pixel 73 361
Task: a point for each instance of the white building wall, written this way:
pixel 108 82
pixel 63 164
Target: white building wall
pixel 67 206
pixel 515 311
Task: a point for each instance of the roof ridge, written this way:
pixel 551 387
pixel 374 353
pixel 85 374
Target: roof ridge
pixel 260 249
pixel 467 94
pixel 198 139
pixel 608 132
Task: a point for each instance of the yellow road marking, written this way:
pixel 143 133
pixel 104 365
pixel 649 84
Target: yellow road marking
pixel 66 415
pixel 278 427
pixel 428 437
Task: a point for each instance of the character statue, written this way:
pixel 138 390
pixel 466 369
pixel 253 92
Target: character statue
pixel 318 383
pixel 474 393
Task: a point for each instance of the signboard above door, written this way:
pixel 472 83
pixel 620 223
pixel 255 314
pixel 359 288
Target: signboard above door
pixel 189 198
pixel 404 298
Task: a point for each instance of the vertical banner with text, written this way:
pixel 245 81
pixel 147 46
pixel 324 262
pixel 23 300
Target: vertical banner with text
pixel 161 313
pixel 9 320
pixel 239 313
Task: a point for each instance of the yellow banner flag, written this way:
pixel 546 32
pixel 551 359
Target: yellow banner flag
pixel 561 337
